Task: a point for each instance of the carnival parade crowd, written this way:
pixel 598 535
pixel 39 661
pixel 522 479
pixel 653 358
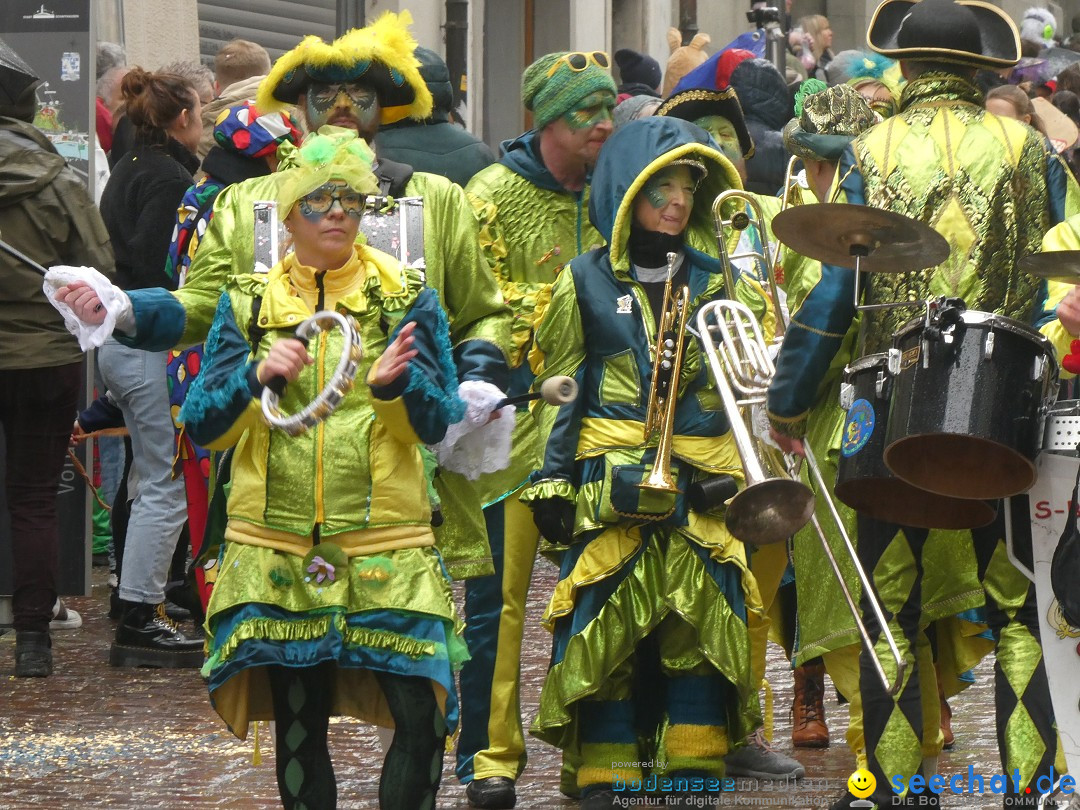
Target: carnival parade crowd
pixel 644 341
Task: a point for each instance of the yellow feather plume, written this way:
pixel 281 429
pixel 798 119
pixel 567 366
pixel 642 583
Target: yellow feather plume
pixel 387 41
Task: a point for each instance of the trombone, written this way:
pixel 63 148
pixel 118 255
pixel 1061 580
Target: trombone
pixel 739 359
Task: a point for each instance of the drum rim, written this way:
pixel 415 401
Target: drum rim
pixel 867 361
pixel 974 317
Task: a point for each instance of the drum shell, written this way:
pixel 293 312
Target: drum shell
pixel 966 414
pixel 865 484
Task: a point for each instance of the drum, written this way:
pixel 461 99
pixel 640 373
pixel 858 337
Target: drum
pixel 968 405
pixel 864 483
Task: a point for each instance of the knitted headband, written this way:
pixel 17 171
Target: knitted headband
pixel 552 96
pixel 332 153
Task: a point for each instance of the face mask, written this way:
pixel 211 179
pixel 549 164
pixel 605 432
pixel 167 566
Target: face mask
pixel 594 109
pixel 359 100
pixel 317 204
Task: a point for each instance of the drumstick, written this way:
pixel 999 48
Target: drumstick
pixel 555 391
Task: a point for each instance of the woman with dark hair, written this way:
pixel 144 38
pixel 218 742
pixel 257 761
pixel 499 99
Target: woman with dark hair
pixel 139 206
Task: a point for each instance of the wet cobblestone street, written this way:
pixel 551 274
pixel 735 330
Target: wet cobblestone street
pixel 94 736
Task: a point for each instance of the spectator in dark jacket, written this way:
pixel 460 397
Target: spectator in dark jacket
pixel 435 145
pixel 767 105
pixel 46 214
pixel 139 207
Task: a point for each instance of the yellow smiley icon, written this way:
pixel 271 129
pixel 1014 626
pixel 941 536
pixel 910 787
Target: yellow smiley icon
pixel 861 783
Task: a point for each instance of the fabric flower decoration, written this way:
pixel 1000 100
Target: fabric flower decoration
pixel 321 569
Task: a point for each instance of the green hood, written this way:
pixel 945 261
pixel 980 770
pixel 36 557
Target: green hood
pixel 636 152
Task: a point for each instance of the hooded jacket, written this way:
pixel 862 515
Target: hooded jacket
pixel 46 213
pixel 601 330
pixel 530 227
pixel 767 106
pixel 435 144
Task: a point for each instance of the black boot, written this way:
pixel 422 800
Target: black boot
pixel 492 793
pixel 33 654
pixel 147 637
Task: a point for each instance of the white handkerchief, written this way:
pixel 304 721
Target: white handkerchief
pixel 116 302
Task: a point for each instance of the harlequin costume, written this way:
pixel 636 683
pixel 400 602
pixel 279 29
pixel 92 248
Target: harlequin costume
pixel 331 598
pixel 650 613
pixel 826 121
pixel 1005 191
pixel 380 54
pixel 243 140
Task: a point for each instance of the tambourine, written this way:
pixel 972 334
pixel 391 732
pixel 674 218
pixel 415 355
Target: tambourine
pixel 339 384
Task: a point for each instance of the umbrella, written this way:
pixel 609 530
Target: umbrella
pixel 15 75
pixel 1058 59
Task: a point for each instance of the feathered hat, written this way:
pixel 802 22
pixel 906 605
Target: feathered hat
pixel 379 55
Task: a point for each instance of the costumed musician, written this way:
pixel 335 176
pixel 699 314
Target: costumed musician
pixel 993 212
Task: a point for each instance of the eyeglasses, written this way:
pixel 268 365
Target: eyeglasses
pixel 321 200
pixel 578 61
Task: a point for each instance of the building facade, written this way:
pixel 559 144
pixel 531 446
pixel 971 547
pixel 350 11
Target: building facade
pixel 503 35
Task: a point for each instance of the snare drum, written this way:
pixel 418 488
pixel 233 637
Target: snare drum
pixel 864 483
pixel 968 405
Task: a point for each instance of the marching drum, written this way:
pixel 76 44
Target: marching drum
pixel 864 483
pixel 968 403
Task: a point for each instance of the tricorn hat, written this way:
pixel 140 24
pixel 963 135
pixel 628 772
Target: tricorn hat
pixel 962 32
pixel 707 91
pixel 380 55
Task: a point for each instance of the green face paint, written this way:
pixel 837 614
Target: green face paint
pixel 723 132
pixel 594 109
pixel 668 184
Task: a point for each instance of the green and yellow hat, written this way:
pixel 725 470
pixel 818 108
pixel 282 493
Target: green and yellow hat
pixel 332 153
pixel 379 55
pixel 826 120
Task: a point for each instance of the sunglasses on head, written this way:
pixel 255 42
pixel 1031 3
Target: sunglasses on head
pixel 578 61
pixel 321 200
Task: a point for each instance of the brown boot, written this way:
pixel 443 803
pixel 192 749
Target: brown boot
pixel 808 727
pixel 946 717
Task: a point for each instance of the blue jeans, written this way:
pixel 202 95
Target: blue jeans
pixel 137 382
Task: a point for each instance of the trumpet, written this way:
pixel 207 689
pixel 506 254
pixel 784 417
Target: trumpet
pixel 664 389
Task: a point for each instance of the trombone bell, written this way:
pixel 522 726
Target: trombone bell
pixel 769 511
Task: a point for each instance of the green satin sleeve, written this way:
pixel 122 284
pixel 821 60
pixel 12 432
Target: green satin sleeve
pixel 226 249
pixel 456 268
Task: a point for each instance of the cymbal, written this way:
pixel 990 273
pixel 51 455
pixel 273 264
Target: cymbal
pixel 833 232
pixel 1054 265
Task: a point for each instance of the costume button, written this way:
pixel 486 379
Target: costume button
pixel 263 320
